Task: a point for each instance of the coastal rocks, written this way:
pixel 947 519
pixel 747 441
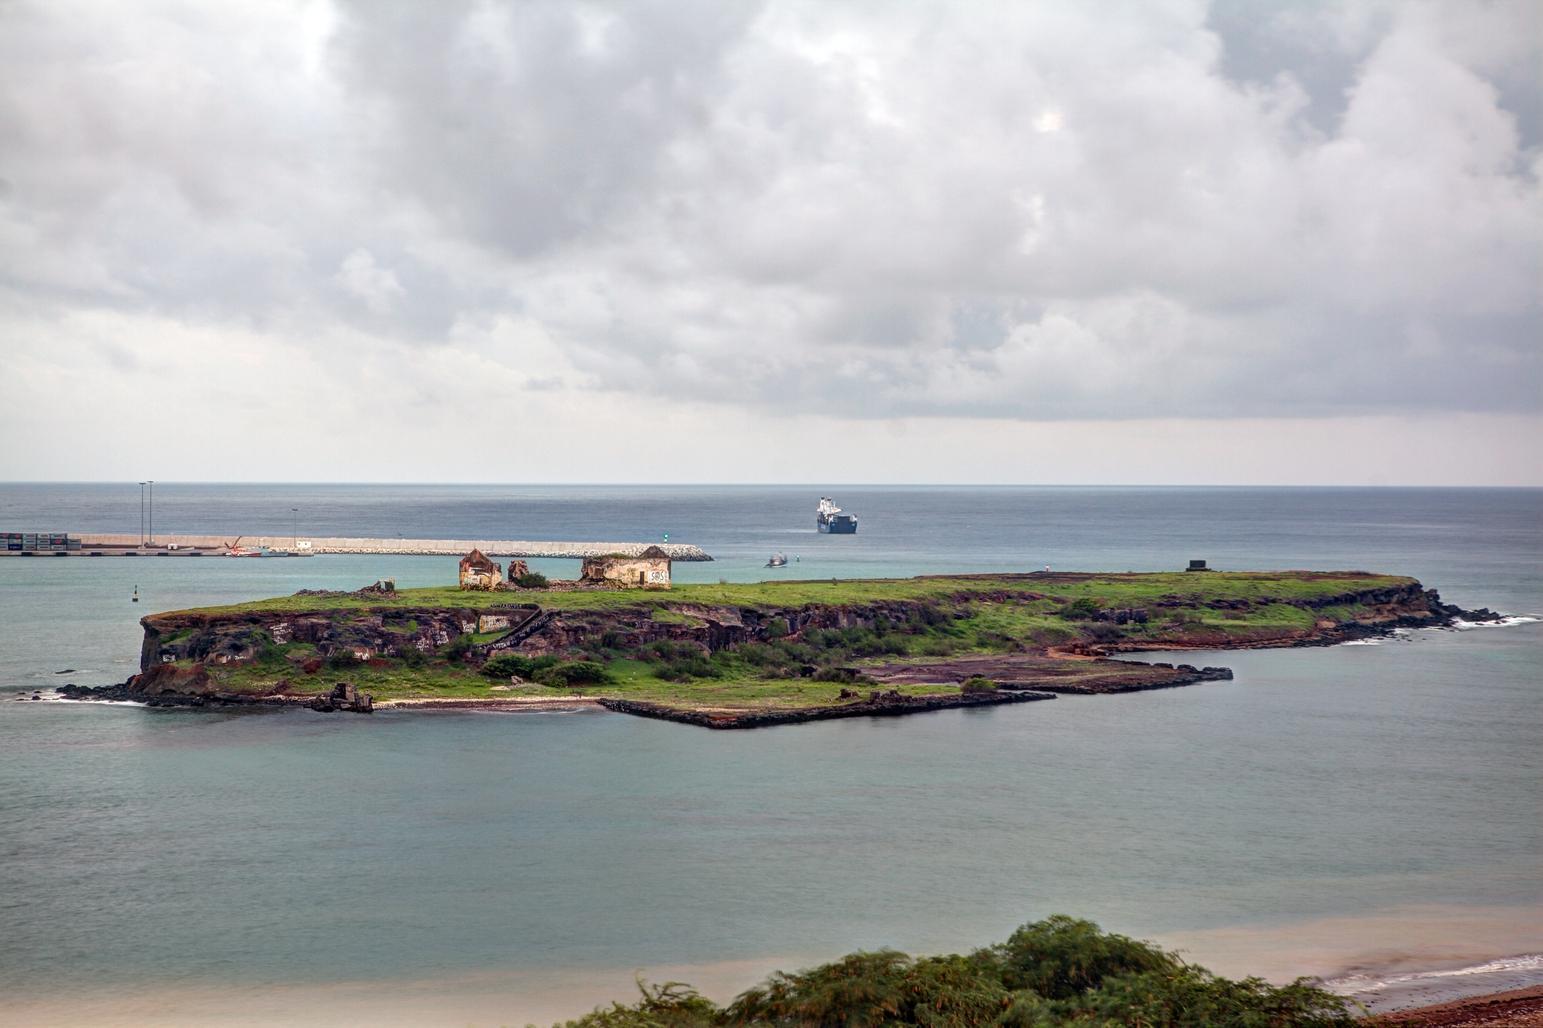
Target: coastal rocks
pixel 344 696
pixel 880 704
pixel 170 679
pixel 1016 672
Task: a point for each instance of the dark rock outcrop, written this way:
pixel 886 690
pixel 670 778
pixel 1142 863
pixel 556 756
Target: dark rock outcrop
pixel 878 704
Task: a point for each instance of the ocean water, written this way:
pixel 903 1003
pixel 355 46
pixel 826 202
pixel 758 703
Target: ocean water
pixel 1363 810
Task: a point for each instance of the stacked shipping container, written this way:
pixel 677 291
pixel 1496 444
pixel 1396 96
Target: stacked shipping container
pixel 42 542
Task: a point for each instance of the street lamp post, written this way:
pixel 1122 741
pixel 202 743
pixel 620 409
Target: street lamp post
pixel 151 484
pixel 141 514
pixel 294 526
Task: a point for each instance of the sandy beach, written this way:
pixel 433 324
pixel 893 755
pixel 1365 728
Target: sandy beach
pixel 1518 1008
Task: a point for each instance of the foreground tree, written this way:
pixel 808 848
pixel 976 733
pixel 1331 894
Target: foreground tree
pixel 1055 972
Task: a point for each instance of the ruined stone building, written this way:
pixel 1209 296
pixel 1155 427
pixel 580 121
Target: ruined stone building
pixel 648 570
pixel 477 572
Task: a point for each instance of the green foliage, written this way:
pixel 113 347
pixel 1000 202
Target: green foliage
pixel 412 657
pixel 1056 972
pixel 457 649
pixel 776 628
pixel 1062 956
pixel 342 660
pixel 1192 997
pixel 1080 609
pixel 1113 590
pixel 671 1005
pixel 977 684
pixel 844 675
pixel 531 580
pixel 575 672
pixel 680 661
pixel 506 665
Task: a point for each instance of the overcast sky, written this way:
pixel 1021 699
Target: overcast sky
pixel 706 241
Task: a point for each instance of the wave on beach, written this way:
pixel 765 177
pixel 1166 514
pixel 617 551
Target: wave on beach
pixel 1387 991
pixel 1361 982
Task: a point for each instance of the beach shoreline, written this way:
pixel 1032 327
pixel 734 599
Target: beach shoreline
pixel 1451 997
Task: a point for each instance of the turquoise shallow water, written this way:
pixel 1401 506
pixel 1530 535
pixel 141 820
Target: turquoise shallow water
pixel 190 848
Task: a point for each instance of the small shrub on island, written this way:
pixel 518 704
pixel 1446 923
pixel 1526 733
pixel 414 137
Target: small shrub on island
pixel 532 580
pixel 844 675
pixel 508 665
pixel 342 660
pixel 1083 609
pixel 976 684
pixel 457 649
pixel 573 673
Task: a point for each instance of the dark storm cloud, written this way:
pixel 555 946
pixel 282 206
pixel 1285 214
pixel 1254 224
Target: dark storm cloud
pixel 1031 211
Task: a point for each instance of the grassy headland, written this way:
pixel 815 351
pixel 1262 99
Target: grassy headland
pixel 820 647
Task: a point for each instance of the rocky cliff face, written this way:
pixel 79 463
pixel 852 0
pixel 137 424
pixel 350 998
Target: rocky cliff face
pixel 235 638
pixel 205 639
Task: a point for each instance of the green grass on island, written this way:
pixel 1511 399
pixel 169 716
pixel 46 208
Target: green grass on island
pixel 944 618
pixel 1108 589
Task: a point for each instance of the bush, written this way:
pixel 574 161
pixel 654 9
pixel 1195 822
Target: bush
pixel 342 660
pixel 1060 971
pixel 506 665
pixel 684 669
pixel 1063 956
pixel 681 661
pixel 776 628
pixel 1103 632
pixel 1081 610
pixel 412 656
pixel 573 673
pixel 671 1005
pixel 844 675
pixel 531 580
pixel 457 649
pixel 977 684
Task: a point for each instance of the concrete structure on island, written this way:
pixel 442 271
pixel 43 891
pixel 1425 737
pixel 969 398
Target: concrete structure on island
pixel 478 572
pixel 647 570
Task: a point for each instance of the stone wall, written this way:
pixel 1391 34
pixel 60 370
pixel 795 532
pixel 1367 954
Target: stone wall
pixel 630 572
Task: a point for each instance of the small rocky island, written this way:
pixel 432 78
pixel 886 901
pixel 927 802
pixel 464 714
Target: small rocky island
pixel 755 654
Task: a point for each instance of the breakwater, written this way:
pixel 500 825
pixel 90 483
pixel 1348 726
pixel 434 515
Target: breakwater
pixel 188 545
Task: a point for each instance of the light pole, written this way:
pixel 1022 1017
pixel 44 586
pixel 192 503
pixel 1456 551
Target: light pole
pixel 141 514
pixel 294 525
pixel 151 484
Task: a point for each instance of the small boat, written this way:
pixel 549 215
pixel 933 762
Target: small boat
pixel 777 560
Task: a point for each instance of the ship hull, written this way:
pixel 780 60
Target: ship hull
pixel 838 526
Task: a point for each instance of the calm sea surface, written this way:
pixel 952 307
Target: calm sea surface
pixel 1378 786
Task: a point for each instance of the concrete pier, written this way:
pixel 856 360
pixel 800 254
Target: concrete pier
pixel 209 545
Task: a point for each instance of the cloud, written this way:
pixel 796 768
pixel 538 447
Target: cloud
pixel 375 286
pixel 1033 213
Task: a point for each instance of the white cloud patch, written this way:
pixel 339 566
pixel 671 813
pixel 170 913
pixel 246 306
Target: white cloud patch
pixel 376 287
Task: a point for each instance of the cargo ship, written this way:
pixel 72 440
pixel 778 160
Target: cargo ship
pixel 830 518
